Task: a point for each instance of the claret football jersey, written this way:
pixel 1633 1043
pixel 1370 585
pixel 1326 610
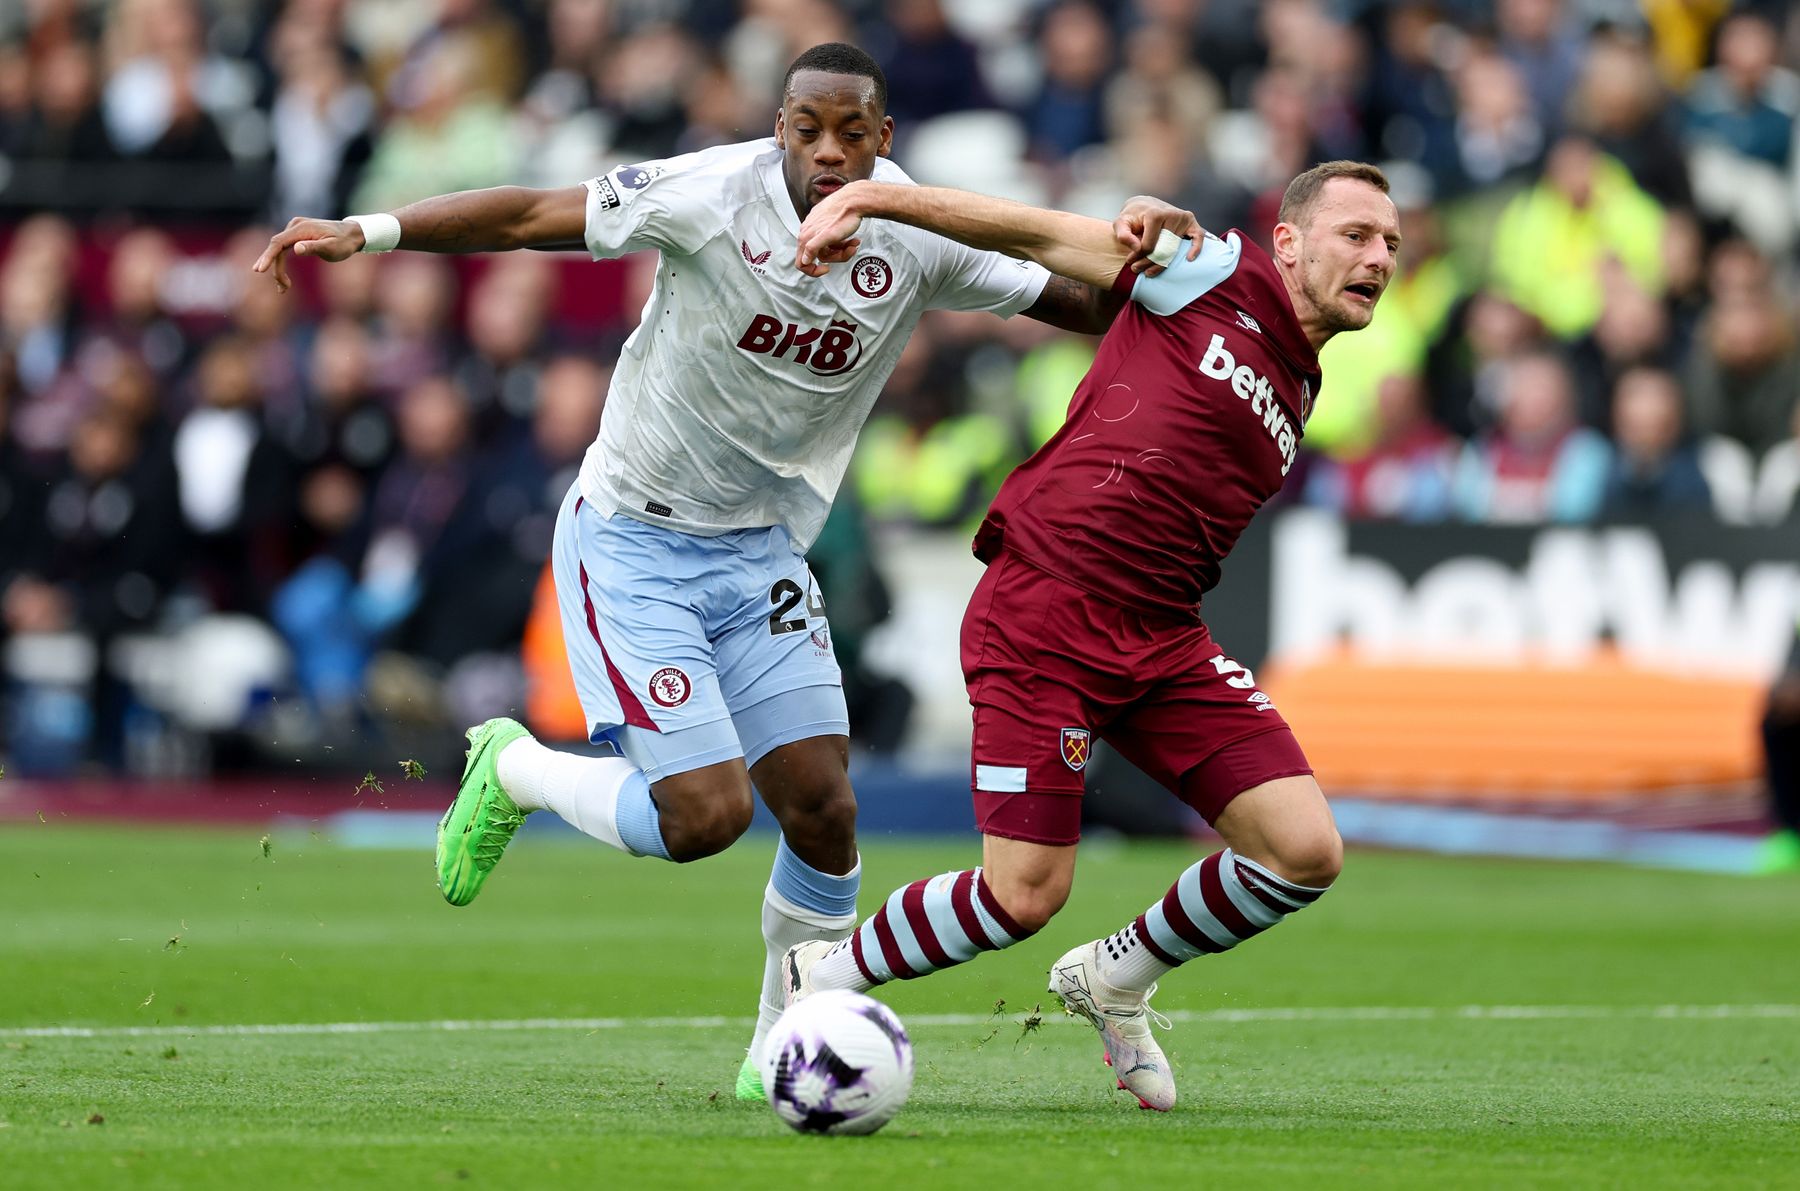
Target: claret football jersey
pixel 737 401
pixel 1188 421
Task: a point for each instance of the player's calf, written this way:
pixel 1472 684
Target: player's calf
pixel 922 928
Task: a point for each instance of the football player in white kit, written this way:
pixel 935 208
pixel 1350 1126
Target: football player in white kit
pixel 696 634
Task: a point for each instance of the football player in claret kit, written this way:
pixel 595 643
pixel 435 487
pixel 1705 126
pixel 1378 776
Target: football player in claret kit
pixel 1087 622
pixel 696 634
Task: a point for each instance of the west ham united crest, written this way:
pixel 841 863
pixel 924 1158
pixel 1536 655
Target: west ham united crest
pixel 1076 744
pixel 670 687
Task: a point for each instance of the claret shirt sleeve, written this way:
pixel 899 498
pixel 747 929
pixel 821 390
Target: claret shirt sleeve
pixel 1185 280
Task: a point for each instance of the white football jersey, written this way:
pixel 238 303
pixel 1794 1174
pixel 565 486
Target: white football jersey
pixel 737 401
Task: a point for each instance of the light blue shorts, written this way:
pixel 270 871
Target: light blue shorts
pixel 688 650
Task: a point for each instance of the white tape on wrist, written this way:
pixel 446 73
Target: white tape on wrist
pixel 381 233
pixel 1167 245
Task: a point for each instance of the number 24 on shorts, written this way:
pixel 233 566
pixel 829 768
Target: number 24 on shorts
pixel 786 596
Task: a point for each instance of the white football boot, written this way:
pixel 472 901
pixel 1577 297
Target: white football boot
pixel 1123 1019
pixel 797 966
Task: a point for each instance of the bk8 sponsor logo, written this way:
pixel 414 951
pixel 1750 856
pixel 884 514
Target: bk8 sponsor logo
pixel 830 352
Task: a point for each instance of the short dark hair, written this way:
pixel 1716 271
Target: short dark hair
pixel 836 57
pixel 1303 192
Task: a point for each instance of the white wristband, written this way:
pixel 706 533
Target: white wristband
pixel 1167 245
pixel 381 233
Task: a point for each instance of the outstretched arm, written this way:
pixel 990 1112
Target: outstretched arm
pixel 1086 254
pixel 1072 245
pixel 495 220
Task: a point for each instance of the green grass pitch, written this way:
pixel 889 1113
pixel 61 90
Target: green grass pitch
pixel 1334 1052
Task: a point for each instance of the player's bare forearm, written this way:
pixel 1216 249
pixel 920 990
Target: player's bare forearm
pixel 498 219
pixel 1074 246
pixel 495 220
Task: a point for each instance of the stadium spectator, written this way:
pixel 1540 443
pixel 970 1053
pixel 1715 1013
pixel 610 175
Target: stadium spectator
pixel 1499 134
pixel 1633 330
pixel 1465 366
pixel 235 482
pixel 1539 38
pixel 338 608
pixel 1588 207
pixel 643 88
pixel 1740 122
pixel 508 337
pixel 1748 102
pixel 39 322
pixel 138 320
pixel 931 69
pixel 446 132
pixel 1537 463
pixel 1655 469
pixel 322 122
pixel 1623 105
pixel 111 551
pixel 1404 475
pixel 1743 376
pixel 165 93
pixel 66 127
pixel 415 296
pixel 340 441
pixel 1068 111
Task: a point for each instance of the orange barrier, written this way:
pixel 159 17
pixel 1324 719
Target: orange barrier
pixel 552 709
pixel 1565 732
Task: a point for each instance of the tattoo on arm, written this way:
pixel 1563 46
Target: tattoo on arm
pixel 1074 306
pixel 448 234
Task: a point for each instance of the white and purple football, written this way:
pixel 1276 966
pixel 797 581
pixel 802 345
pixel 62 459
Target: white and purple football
pixel 837 1062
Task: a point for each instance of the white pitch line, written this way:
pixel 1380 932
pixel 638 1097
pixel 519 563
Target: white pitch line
pixel 1205 1016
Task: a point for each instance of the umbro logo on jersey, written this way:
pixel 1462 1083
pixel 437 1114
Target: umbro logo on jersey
pixel 1248 323
pixel 756 259
pixel 830 352
pixel 1251 386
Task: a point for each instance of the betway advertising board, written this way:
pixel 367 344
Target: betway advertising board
pixel 1687 595
pixel 1459 660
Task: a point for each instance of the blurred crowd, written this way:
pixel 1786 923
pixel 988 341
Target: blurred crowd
pixel 338 502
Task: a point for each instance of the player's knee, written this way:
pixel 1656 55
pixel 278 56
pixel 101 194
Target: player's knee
pixel 826 818
pixel 1031 905
pixel 698 829
pixel 1312 858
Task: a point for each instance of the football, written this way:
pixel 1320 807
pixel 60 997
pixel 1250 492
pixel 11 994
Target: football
pixel 837 1062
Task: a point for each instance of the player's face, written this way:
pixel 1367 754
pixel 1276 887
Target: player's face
pixel 1347 253
pixel 831 132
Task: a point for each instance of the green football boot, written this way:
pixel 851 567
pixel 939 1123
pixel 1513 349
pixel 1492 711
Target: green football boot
pixel 481 822
pixel 749 1083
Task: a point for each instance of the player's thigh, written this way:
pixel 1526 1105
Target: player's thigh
pixel 637 644
pixel 1024 656
pixel 1206 731
pixel 777 673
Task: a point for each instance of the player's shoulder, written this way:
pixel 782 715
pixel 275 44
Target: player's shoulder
pixel 713 173
pixel 1186 281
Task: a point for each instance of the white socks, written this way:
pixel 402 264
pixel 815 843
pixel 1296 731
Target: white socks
pixel 783 925
pixel 584 791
